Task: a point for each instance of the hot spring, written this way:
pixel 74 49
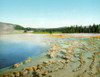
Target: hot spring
pixel 16 48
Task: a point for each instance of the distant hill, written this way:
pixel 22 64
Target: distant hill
pixel 7 27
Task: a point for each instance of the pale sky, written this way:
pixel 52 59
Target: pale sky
pixel 50 13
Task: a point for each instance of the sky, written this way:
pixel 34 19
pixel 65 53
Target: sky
pixel 50 13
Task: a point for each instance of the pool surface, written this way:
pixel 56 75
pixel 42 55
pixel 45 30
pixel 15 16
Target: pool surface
pixel 16 50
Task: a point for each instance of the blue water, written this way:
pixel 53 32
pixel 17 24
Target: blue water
pixel 14 52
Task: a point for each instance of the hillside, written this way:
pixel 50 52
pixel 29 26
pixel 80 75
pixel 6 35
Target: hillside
pixel 7 27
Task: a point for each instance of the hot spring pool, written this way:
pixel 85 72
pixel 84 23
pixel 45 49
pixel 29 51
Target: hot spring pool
pixel 14 49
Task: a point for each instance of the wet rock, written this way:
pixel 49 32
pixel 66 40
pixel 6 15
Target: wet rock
pixel 27 60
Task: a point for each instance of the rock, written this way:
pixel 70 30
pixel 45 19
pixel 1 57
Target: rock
pixel 34 67
pixel 56 69
pixel 11 75
pixel 4 75
pixel 90 57
pixel 50 76
pixel 27 60
pixel 16 65
pixel 24 72
pixel 45 73
pixel 20 63
pixel 64 52
pixel 39 66
pixel 30 70
pixel 67 61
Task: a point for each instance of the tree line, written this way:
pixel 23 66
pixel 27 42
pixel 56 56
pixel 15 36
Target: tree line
pixel 83 29
pixel 95 28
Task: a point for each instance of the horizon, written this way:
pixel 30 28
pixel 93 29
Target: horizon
pixel 50 14
pixel 51 27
